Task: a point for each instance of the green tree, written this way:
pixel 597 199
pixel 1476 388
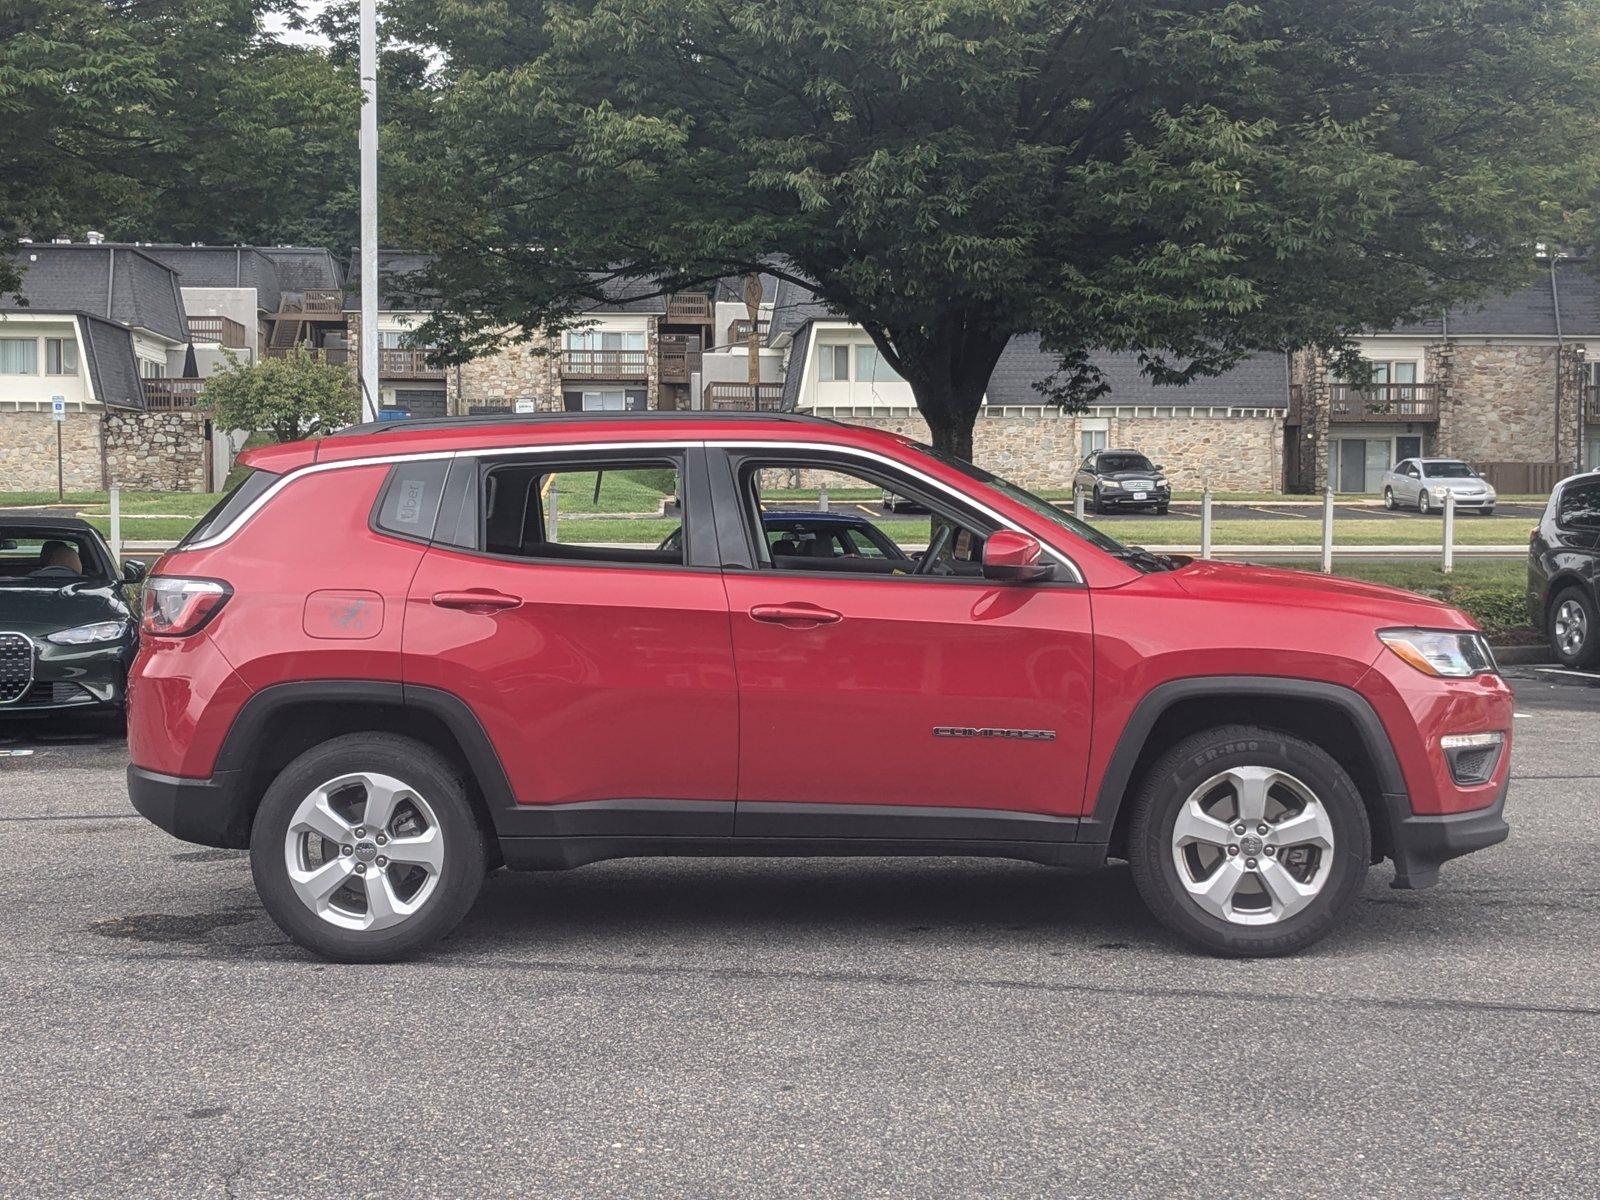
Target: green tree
pixel 295 396
pixel 1190 180
pixel 170 119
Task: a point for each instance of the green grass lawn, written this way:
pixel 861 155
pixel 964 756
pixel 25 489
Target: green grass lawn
pixel 1471 530
pixel 620 491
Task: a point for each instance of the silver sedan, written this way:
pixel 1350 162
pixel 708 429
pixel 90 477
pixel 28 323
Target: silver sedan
pixel 1423 483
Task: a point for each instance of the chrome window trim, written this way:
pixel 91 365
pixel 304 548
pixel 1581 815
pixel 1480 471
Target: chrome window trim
pixel 233 527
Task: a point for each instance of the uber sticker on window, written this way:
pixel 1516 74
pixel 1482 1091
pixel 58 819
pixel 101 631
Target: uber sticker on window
pixel 408 511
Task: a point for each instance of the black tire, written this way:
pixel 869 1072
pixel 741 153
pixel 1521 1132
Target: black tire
pixel 1423 506
pixel 1162 794
pixel 1099 504
pixel 1388 498
pixel 460 876
pixel 1487 511
pixel 1161 510
pixel 1587 653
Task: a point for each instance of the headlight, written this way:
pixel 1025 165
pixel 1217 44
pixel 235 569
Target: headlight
pixel 1453 654
pixel 1439 492
pixel 83 635
pixel 1110 485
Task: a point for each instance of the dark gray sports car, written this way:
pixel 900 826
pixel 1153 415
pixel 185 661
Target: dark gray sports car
pixel 67 631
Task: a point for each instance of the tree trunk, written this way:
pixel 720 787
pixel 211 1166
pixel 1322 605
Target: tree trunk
pixel 948 367
pixel 952 432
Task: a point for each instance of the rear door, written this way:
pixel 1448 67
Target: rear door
pixel 599 664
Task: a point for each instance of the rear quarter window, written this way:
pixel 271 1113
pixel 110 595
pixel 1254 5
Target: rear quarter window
pixel 410 501
pixel 1579 506
pixel 224 511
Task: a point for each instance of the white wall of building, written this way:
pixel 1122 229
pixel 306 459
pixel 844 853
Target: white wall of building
pixel 36 390
pixel 868 379
pixel 237 304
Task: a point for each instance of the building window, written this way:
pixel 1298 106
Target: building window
pixel 1394 371
pixel 19 356
pixel 149 368
pixel 60 356
pixel 833 364
pixel 1091 441
pixel 605 339
pixel 606 400
pixel 871 367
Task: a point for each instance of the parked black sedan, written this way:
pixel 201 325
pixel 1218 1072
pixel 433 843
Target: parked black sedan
pixel 1122 479
pixel 1564 571
pixel 67 631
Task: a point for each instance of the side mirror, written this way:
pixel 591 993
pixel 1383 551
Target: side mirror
pixel 1014 558
pixel 133 570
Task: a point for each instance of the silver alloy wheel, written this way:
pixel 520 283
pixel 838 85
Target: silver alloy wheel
pixel 1571 627
pixel 1253 845
pixel 1422 502
pixel 1388 499
pixel 364 851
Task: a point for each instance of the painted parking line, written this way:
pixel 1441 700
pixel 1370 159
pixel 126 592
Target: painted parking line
pixel 1592 676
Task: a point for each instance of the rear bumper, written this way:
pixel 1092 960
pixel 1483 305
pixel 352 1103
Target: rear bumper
pixel 209 812
pixel 1423 843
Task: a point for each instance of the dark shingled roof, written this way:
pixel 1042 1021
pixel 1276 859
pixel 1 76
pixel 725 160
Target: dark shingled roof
pixel 118 283
pixel 1527 312
pixel 399 289
pixel 1261 381
pixel 304 268
pixel 730 289
pixel 113 366
pixel 221 267
pixel 794 371
pixel 792 307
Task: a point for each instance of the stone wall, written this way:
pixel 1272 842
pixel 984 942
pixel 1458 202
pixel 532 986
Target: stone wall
pixel 28 451
pixel 1040 448
pixel 156 451
pixel 531 370
pixel 1500 402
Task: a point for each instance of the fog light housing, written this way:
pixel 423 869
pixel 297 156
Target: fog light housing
pixel 1473 757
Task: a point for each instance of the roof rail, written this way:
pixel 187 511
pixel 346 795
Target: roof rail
pixel 493 419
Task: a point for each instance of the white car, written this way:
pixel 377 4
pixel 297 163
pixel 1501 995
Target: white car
pixel 1424 483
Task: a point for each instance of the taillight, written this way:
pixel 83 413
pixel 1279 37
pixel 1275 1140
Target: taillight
pixel 174 606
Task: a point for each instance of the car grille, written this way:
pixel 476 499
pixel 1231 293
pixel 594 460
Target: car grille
pixel 50 695
pixel 16 666
pixel 1139 485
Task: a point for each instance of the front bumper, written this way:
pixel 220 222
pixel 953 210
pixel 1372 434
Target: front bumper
pixel 1127 499
pixel 208 812
pixel 1422 843
pixel 74 679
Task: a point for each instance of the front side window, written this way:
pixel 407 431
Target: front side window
pixel 60 356
pixel 833 364
pixel 19 356
pixel 611 512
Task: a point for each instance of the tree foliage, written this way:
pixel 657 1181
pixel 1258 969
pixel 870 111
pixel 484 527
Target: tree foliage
pixel 170 120
pixel 295 396
pixel 1191 180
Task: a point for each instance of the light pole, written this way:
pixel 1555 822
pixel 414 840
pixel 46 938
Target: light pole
pixel 369 210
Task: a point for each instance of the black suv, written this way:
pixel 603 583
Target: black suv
pixel 1564 571
pixel 1122 479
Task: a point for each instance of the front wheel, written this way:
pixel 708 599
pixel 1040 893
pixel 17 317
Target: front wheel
pixel 1248 841
pixel 1388 499
pixel 1423 506
pixel 366 849
pixel 1487 510
pixel 1099 504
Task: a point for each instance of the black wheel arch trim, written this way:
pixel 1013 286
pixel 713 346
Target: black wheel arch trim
pixel 1108 801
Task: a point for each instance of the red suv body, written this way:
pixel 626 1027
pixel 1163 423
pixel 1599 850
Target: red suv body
pixel 375 665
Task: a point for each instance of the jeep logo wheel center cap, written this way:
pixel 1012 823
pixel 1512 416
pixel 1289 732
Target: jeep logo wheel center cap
pixel 1249 845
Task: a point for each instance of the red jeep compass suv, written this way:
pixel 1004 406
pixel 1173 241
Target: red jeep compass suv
pixel 394 658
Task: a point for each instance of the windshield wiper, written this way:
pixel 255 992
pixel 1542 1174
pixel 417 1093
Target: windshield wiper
pixel 1146 558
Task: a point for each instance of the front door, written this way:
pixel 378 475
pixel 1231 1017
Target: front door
pixel 1352 465
pixel 1407 446
pixel 600 666
pixel 897 693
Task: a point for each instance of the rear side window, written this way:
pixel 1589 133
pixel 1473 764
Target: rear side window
pixel 410 500
pixel 222 514
pixel 1580 505
pixel 621 511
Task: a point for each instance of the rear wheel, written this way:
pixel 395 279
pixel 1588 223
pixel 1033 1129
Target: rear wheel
pixel 365 848
pixel 1574 629
pixel 1248 841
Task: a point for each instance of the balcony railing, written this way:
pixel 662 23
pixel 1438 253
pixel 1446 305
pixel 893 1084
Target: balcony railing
pixel 1591 404
pixel 677 359
pixel 690 306
pixel 604 364
pixel 313 300
pixel 739 329
pixel 741 397
pixel 338 355
pixel 1383 403
pixel 395 363
pixel 221 331
pixel 172 395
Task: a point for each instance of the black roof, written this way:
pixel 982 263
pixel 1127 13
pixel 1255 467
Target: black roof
pixel 220 267
pixel 45 521
pixel 546 418
pixel 793 307
pixel 304 268
pixel 117 283
pixel 113 365
pixel 1260 381
pixel 1525 312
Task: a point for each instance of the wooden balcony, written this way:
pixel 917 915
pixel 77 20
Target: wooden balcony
pixel 395 363
pixel 219 331
pixel 739 330
pixel 604 364
pixel 338 355
pixel 677 360
pixel 741 397
pixel 1591 404
pixel 1383 403
pixel 172 395
pixel 319 302
pixel 694 308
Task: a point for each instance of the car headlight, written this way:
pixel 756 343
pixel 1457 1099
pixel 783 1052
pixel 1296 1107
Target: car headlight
pixel 1110 485
pixel 84 635
pixel 1455 654
pixel 1439 492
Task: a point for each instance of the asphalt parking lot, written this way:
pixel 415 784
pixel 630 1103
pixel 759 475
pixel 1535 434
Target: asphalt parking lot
pixel 819 1028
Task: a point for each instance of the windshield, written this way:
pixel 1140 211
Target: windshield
pixel 1028 500
pixel 35 557
pixel 1124 462
pixel 1448 470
